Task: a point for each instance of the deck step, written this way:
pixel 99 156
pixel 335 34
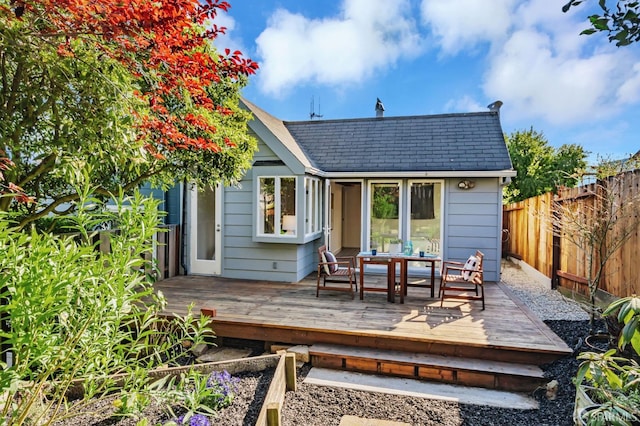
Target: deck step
pixel 456 370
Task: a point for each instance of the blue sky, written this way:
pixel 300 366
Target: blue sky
pixel 442 56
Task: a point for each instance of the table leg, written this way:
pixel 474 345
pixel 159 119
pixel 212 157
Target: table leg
pixel 433 277
pixel 391 281
pixel 404 272
pixel 361 278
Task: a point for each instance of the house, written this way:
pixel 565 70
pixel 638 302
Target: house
pixel 435 180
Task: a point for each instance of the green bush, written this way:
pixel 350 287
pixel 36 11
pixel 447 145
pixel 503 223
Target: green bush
pixel 610 380
pixel 76 316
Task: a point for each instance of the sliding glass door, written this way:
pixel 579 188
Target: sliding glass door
pixel 425 215
pixel 385 216
pixel 390 226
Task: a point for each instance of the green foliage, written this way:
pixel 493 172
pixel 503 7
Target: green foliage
pixel 622 24
pixel 77 315
pixel 204 394
pixel 628 313
pixel 540 167
pixel 64 113
pixel 613 381
pixel 385 202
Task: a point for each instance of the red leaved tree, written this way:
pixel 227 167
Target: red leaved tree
pixel 119 92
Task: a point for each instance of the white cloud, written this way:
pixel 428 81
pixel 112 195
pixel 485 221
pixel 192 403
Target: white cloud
pixel 531 79
pixel 227 40
pixel 462 24
pixel 367 36
pixel 538 64
pixel 464 104
pixel 629 91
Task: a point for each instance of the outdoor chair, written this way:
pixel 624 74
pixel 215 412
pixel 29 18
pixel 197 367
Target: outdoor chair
pixel 336 270
pixel 463 280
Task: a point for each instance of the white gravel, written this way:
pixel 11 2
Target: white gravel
pixel 546 303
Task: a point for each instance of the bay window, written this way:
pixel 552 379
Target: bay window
pixel 312 203
pixel 277 206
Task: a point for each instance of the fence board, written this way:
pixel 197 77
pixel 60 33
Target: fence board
pixel 166 254
pixel 530 237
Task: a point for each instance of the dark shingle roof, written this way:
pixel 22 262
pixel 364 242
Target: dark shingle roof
pixel 448 142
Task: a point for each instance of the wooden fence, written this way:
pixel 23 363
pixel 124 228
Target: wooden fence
pixel 166 252
pixel 529 236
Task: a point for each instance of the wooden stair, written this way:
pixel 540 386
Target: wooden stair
pixel 475 372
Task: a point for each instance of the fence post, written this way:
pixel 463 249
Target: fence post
pixel 555 262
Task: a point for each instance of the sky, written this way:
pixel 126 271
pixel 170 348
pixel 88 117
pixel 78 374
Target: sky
pixel 422 57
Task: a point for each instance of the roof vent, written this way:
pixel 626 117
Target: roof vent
pixel 495 107
pixel 379 108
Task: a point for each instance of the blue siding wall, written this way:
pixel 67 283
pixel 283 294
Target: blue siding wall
pixel 473 221
pixel 244 258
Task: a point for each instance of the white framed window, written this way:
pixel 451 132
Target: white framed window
pixel 312 205
pixel 424 219
pixel 277 206
pixel 385 214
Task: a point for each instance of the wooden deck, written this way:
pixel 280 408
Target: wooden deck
pixel 506 331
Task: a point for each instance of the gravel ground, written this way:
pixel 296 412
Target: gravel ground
pixel 317 405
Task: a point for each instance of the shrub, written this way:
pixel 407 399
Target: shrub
pixel 75 317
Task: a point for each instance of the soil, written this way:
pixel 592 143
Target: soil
pixel 316 405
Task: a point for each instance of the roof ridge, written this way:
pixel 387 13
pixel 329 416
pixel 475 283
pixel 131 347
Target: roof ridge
pixel 393 118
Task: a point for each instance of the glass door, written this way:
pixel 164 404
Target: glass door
pixel 206 231
pixel 385 213
pixel 424 217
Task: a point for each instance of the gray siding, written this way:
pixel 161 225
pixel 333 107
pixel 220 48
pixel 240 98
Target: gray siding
pixel 473 222
pixel 243 258
pixel 264 153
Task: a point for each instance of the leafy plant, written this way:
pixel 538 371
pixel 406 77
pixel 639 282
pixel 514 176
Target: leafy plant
pixel 134 89
pixel 83 323
pixel 202 394
pixel 628 313
pixel 614 384
pixel 622 24
pixel 613 381
pixel 541 167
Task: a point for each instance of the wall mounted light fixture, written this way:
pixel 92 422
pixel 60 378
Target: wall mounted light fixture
pixel 466 184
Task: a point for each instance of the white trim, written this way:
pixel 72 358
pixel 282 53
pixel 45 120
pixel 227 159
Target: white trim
pixel 326 225
pixel 312 203
pixel 277 207
pixel 440 182
pixel 401 209
pixel 421 174
pixel 205 266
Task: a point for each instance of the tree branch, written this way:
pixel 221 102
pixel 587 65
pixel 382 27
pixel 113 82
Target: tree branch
pixel 49 209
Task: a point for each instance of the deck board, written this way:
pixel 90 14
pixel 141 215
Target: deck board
pixel 505 323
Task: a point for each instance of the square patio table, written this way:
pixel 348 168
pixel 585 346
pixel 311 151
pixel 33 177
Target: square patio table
pixel 390 261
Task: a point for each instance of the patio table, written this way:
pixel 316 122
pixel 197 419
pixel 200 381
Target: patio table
pixel 387 260
pixel 427 258
pixel 390 261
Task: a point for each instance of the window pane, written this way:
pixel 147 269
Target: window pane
pixel 425 217
pixel 288 205
pixel 385 206
pixel 266 222
pixel 307 205
pixel 206 216
pixel 314 205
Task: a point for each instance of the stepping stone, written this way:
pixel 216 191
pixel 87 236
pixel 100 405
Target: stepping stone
pixel 223 354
